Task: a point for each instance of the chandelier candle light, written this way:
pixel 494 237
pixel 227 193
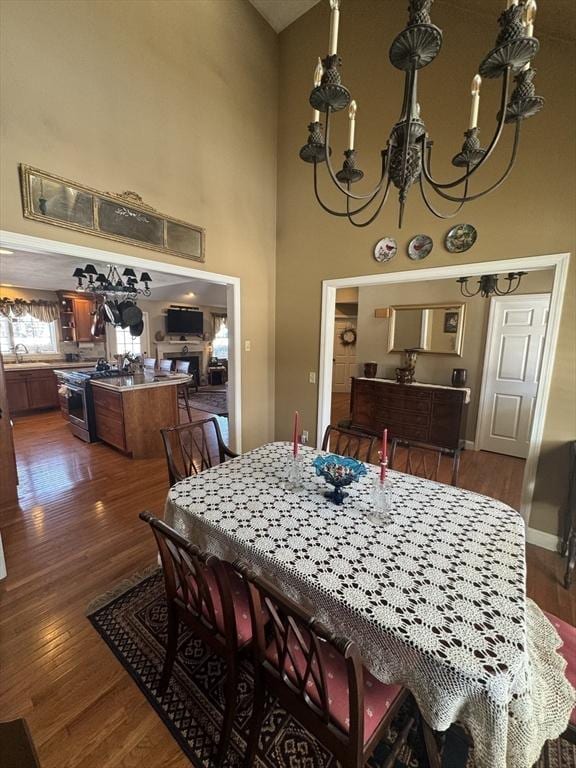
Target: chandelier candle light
pixel 406 159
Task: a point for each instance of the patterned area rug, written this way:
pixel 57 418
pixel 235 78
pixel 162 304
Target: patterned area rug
pixel 210 400
pixel 132 622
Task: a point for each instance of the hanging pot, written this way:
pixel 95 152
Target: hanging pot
pixel 112 314
pixel 137 329
pixel 99 322
pixel 131 315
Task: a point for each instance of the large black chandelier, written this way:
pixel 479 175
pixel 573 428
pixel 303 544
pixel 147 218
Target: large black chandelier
pixel 111 283
pixel 406 159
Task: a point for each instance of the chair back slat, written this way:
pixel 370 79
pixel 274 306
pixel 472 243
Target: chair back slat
pixel 302 648
pixel 421 460
pixel 191 448
pixel 346 442
pixel 193 579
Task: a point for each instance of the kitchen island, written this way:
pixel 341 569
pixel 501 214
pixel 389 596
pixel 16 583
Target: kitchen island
pixel 130 411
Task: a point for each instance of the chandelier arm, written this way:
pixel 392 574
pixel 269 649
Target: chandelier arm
pixel 343 189
pixel 375 214
pixel 501 180
pixel 437 213
pixel 345 213
pixel 495 139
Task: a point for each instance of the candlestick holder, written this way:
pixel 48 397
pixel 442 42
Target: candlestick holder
pixel 349 173
pixel 330 93
pixel 471 152
pixel 523 103
pixel 513 49
pixel 294 471
pixel 380 512
pixel 314 151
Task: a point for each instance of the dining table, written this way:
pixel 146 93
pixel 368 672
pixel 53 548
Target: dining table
pixel 434 595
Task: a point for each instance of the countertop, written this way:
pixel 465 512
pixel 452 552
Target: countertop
pixel 141 381
pixel 53 364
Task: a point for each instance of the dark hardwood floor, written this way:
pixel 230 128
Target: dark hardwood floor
pixel 75 534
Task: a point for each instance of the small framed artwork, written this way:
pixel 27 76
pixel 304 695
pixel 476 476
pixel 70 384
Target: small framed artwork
pixel 451 322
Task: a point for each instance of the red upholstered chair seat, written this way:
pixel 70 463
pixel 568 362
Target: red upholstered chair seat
pixel 378 697
pixel 239 597
pixel 568 650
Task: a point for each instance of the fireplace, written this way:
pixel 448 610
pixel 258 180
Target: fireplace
pixel 193 362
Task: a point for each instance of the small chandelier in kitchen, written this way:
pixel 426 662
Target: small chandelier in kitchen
pixel 111 283
pixel 488 285
pixel 406 158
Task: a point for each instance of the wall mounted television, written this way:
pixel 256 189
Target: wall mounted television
pixel 183 321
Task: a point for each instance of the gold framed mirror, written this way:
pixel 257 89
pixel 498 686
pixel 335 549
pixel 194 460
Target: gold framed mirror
pixel 436 329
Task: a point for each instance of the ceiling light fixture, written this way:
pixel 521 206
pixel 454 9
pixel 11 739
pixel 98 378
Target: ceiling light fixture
pixel 6 252
pixel 488 285
pixel 406 158
pixel 111 283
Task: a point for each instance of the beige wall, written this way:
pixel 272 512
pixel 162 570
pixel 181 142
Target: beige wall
pixel 533 213
pixel 372 341
pixel 175 100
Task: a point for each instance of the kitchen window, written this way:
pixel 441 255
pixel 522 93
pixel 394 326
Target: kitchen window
pixel 121 341
pixel 220 340
pixel 37 336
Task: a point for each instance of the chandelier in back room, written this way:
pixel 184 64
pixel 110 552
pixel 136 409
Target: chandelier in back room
pixel 406 159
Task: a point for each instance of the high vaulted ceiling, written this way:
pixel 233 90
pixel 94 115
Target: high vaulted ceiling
pixel 556 18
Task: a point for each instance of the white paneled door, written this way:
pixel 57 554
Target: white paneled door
pixel 344 357
pixel 514 345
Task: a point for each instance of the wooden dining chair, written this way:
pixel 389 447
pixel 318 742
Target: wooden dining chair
pixel 149 363
pixel 208 596
pixel 422 460
pixel 194 447
pixel 568 650
pixel 320 680
pixel 346 442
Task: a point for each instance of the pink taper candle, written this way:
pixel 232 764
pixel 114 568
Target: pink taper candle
pixel 295 436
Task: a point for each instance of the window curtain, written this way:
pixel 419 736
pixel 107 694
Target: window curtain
pixel 45 311
pixel 218 322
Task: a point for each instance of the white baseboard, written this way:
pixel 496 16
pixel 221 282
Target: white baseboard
pixel 542 539
pixel 470 445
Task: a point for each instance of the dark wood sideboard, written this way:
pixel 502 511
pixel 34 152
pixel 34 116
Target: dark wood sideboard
pixel 423 414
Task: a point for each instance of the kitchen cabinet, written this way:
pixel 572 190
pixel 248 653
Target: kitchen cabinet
pixel 109 413
pixel 76 317
pixel 131 410
pixel 31 390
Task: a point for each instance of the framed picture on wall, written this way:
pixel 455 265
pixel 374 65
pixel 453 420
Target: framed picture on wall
pixel 125 218
pixel 451 322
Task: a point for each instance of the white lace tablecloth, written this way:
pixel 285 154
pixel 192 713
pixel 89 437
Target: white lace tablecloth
pixel 436 600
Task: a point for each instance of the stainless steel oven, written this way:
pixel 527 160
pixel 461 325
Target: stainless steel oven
pixel 77 410
pixel 76 400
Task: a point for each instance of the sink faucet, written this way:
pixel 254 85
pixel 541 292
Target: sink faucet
pixel 18 351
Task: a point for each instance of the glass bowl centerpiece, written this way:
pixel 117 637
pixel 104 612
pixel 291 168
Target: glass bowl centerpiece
pixel 338 471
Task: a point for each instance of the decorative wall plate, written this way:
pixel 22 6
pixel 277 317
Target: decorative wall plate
pixel 385 249
pixel 419 247
pixel 460 238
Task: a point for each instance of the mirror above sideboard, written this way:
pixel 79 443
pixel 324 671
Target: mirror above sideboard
pixel 436 329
